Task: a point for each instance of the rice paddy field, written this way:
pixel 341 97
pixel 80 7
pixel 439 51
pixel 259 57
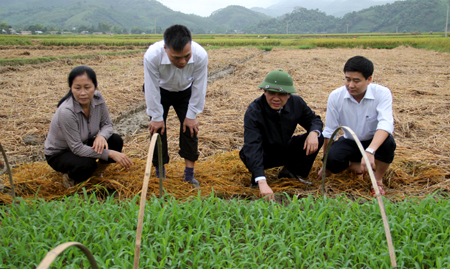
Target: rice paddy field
pixel 225 224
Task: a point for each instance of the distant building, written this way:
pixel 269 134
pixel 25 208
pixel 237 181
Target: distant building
pixel 12 31
pixel 38 32
pixel 109 33
pixel 53 32
pixel 25 32
pixel 66 33
pixel 84 32
pixel 97 33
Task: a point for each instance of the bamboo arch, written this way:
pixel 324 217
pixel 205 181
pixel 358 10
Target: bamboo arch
pixel 52 254
pixel 7 168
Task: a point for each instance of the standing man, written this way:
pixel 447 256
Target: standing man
pixel 367 109
pixel 269 123
pixel 175 71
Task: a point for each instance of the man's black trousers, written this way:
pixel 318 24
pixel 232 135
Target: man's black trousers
pixel 188 145
pixel 293 158
pixel 344 151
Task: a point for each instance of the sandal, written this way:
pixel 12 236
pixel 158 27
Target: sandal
pixel 67 182
pixel 380 188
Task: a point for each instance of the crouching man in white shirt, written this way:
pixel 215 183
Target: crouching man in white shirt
pixel 367 109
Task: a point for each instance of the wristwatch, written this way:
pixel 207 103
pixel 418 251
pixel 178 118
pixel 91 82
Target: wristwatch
pixel 370 151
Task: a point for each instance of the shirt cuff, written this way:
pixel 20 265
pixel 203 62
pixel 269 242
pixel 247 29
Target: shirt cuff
pixel 191 114
pixel 260 178
pixel 105 155
pixel 158 118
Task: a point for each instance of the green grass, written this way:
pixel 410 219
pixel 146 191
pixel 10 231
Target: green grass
pixel 306 47
pixel 216 233
pixel 379 41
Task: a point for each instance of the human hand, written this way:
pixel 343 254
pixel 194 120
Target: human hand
pixel 371 162
pixel 99 144
pixel 320 173
pixel 266 191
pixel 154 126
pixel 120 158
pixel 311 143
pixel 192 124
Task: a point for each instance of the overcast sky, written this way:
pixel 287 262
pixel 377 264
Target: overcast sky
pixel 204 8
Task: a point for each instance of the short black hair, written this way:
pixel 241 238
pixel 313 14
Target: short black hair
pixel 176 37
pixel 78 71
pixel 359 64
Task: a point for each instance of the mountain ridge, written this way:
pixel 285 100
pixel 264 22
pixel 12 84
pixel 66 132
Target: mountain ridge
pixel 124 13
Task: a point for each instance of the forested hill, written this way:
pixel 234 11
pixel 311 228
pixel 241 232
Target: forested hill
pixel 409 15
pixel 337 8
pixel 236 17
pixel 300 21
pixel 126 14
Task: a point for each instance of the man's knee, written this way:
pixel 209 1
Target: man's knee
pixel 335 162
pixel 190 156
pixel 386 151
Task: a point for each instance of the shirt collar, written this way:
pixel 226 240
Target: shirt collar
pixel 368 95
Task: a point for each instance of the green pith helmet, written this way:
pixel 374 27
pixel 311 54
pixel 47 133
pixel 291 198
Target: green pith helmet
pixel 278 81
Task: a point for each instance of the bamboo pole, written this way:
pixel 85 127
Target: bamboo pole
pixel 8 168
pixel 155 139
pixel 374 185
pixel 52 254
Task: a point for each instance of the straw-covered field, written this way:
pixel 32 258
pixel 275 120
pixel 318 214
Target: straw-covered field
pixel 418 79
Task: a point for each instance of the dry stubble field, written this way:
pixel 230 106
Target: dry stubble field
pixel 418 79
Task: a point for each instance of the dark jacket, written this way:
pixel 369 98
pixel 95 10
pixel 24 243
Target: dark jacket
pixel 267 131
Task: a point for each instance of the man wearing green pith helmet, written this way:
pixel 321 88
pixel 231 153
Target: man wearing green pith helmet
pixel 269 125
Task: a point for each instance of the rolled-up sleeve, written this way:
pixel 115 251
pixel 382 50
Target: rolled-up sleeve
pixel 197 100
pixel 152 91
pixel 332 118
pixel 384 109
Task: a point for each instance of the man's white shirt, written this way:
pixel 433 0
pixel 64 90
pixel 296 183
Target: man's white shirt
pixel 160 72
pixel 373 113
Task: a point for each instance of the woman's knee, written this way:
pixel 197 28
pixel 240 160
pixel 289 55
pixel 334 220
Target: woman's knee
pixel 83 170
pixel 115 142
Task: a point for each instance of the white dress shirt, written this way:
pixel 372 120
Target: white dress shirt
pixel 373 113
pixel 160 72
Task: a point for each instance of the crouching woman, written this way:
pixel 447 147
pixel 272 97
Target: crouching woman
pixel 81 132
